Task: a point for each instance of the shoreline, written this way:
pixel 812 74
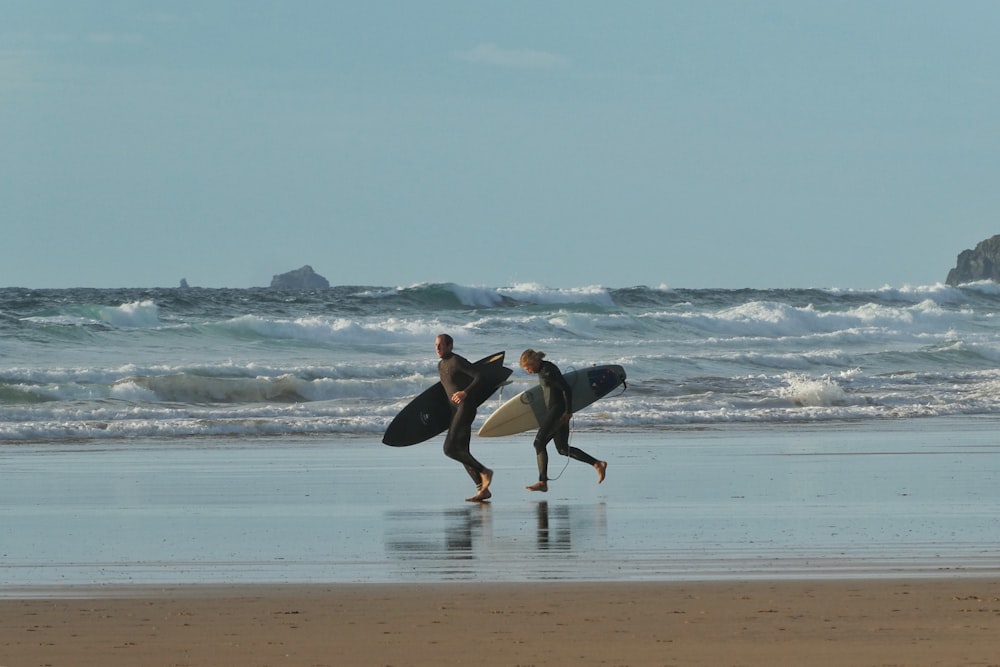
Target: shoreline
pixel 913 622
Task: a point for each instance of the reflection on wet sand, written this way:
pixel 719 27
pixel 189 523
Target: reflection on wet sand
pixel 477 541
pixel 558 535
pixel 416 532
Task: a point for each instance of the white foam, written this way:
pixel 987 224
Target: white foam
pixel 813 392
pixel 135 315
pixel 540 295
pixel 336 329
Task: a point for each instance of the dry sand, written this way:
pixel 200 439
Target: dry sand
pixel 913 622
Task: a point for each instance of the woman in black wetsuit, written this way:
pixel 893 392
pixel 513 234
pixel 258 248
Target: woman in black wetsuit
pixel 555 426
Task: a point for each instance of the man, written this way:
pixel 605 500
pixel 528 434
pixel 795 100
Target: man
pixel 460 378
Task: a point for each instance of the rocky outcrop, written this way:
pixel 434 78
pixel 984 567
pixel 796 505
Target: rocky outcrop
pixel 983 263
pixel 304 278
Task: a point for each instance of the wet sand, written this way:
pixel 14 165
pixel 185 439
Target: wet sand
pixel 840 545
pixel 897 499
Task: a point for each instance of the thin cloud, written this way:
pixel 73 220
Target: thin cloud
pixel 163 18
pixel 11 73
pixel 113 39
pixel 491 54
pixel 19 69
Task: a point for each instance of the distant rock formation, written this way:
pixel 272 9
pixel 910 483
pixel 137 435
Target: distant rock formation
pixel 184 283
pixel 983 263
pixel 304 278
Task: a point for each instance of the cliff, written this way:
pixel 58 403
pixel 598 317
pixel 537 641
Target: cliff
pixel 983 263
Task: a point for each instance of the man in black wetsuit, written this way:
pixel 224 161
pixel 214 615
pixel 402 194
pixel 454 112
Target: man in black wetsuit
pixel 459 378
pixel 559 409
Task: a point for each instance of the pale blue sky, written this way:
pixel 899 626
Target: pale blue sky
pixel 688 144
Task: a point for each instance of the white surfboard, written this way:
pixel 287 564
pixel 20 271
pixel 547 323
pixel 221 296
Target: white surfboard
pixel 525 411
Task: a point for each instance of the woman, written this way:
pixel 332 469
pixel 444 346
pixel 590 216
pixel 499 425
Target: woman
pixel 559 409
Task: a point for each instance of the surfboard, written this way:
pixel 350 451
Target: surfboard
pixel 526 411
pixel 429 414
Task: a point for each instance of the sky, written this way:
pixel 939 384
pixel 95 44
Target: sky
pixel 685 144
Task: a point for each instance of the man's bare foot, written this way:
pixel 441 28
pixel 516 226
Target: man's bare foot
pixel 487 476
pixel 602 470
pixel 482 496
pixel 538 486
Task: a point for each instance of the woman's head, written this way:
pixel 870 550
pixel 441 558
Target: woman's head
pixel 531 360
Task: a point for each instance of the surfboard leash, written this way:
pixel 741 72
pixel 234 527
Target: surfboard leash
pixel 565 465
pixel 570 439
pixel 569 443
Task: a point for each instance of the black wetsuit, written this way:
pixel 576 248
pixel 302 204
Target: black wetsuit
pixel 457 374
pixel 558 401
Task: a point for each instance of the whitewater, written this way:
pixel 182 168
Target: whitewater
pixel 93 365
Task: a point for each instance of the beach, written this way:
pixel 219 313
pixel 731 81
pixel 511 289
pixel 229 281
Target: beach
pixel 871 544
pixel 829 622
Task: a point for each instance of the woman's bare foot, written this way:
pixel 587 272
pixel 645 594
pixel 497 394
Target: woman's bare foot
pixel 602 470
pixel 487 476
pixel 482 496
pixel 538 486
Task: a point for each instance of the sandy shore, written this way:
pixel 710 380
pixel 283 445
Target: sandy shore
pixel 953 621
pixel 849 546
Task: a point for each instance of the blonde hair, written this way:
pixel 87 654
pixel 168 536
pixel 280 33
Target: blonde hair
pixel 532 356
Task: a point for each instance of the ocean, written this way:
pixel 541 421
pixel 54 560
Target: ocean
pixel 99 365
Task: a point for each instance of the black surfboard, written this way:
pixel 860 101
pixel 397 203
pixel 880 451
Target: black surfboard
pixel 429 414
